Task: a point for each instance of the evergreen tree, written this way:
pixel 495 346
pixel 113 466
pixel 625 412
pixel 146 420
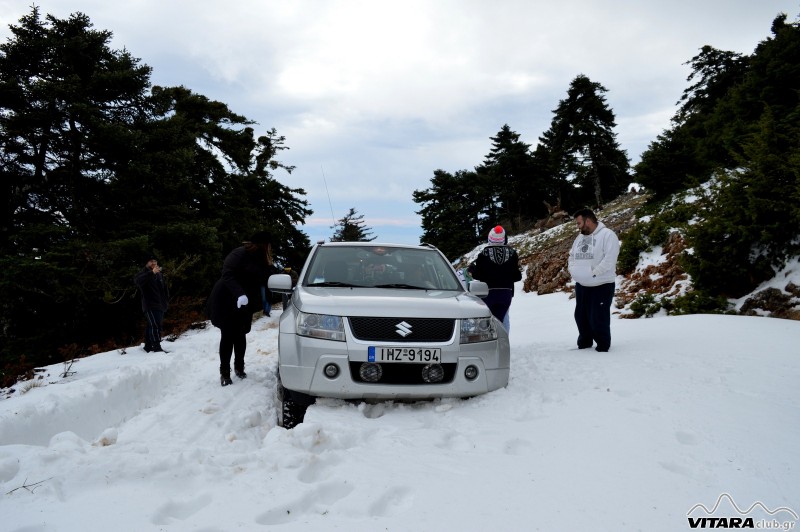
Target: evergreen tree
pixel 582 140
pixel 672 163
pixel 714 73
pixel 739 123
pixel 69 107
pixel 67 122
pixel 552 166
pixel 351 228
pixel 509 168
pixel 99 168
pixel 454 211
pixel 700 138
pixel 751 228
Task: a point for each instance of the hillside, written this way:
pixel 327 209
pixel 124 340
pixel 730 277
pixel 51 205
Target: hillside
pixel 658 277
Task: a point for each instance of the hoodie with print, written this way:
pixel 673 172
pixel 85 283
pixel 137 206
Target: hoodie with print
pixel 593 258
pixel 497 265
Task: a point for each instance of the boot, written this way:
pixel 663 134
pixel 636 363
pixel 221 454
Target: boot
pixel 238 366
pixel 225 376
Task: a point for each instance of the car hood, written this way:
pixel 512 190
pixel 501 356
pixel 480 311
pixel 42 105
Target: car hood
pixel 389 302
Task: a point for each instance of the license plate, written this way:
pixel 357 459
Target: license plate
pixel 422 355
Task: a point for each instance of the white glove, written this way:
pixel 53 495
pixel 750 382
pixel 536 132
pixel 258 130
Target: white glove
pixel 241 302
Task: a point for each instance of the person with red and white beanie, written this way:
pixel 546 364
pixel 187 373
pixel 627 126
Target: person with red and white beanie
pixel 497 265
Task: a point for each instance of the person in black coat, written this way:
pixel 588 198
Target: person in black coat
pixel 236 296
pixel 497 265
pixel 155 298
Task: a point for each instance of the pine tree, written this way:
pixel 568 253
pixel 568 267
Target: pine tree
pixel 350 228
pixel 751 229
pixel 551 165
pixel 69 111
pixel 583 142
pixel 99 167
pixel 700 138
pixel 510 170
pixel 454 211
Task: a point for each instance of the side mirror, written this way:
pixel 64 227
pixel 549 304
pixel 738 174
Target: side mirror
pixel 280 283
pixel 479 288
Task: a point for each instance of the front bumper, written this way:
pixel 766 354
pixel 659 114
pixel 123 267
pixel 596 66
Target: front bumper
pixel 303 359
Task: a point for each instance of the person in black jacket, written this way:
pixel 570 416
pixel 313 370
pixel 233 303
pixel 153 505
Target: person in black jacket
pixel 236 296
pixel 155 298
pixel 497 265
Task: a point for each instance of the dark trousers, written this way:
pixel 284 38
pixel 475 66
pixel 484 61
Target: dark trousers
pixel 498 301
pixel 152 329
pixel 593 315
pixel 232 340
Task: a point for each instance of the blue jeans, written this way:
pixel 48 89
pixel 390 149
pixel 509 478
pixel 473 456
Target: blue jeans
pixel 265 300
pixel 593 315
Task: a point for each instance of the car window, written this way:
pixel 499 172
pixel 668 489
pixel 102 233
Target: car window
pixel 381 267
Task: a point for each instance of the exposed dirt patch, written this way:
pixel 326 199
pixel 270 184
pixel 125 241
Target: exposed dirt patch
pixel 547 263
pixel 666 277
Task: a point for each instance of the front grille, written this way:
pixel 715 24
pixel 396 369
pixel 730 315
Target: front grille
pixel 386 329
pixel 401 373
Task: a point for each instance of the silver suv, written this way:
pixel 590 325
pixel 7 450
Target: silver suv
pixel 373 322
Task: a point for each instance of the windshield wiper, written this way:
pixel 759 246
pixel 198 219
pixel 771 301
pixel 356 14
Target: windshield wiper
pixel 402 285
pixel 337 284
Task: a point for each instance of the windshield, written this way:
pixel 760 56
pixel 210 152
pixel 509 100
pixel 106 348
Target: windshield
pixel 380 267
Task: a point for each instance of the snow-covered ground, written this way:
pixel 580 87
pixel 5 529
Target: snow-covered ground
pixel 682 412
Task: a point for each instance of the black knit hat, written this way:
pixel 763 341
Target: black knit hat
pixel 149 256
pixel 261 238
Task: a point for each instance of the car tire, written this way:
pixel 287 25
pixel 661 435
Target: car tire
pixel 291 405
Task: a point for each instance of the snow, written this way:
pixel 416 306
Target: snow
pixel 683 411
pixel 788 274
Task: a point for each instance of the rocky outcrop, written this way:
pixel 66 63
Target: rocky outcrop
pixel 547 264
pixel 547 269
pixel 665 277
pixel 773 302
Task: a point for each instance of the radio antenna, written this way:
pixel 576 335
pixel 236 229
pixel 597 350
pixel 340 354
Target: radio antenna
pixel 333 218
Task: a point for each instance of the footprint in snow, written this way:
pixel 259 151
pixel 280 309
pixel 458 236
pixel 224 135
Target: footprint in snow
pixel 516 446
pixel 318 501
pixel 317 468
pixel 686 438
pixel 174 511
pixel 391 502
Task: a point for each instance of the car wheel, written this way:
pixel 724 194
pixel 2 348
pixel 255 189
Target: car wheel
pixel 291 405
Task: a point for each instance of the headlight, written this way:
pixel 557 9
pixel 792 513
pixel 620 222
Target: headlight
pixel 477 330
pixel 320 326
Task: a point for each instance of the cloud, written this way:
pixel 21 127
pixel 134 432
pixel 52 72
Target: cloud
pixel 378 95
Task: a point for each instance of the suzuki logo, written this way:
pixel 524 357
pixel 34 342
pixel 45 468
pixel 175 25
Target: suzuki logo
pixel 403 329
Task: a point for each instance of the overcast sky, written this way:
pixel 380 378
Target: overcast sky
pixel 374 96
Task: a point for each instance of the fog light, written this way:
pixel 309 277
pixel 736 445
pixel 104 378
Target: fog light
pixel 370 372
pixel 471 372
pixel 331 371
pixel 432 373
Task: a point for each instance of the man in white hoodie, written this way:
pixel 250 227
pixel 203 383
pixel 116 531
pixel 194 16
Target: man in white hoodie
pixel 592 264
